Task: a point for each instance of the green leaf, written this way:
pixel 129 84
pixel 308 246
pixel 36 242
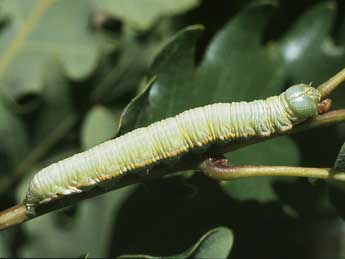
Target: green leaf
pixel 226 74
pixel 126 74
pixel 142 14
pixel 337 188
pixel 130 114
pixel 341 127
pixel 84 229
pixel 339 165
pixel 281 151
pixel 173 68
pixel 4 247
pixel 310 55
pixel 308 51
pixel 34 37
pixel 55 118
pixel 216 243
pixel 99 125
pixel 13 137
pixel 57 104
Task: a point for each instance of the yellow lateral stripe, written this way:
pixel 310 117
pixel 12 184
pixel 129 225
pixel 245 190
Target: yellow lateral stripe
pixel 38 11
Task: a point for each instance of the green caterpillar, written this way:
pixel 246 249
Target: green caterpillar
pixel 170 138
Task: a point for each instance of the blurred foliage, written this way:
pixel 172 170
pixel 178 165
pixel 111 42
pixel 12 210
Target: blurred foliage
pixel 339 165
pixel 141 15
pixel 33 35
pixel 99 126
pixel 68 69
pixel 216 243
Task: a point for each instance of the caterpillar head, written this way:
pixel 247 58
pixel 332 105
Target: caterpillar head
pixel 303 100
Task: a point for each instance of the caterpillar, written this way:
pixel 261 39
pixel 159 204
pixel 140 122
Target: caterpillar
pixel 171 138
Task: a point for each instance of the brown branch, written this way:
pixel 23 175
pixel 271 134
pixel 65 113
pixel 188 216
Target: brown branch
pixel 13 216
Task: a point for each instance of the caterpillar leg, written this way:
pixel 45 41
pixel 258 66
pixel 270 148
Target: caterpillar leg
pixel 324 106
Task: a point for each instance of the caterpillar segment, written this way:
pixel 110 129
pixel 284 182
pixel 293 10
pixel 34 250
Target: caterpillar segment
pixel 172 137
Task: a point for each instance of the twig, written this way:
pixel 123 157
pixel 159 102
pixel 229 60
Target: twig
pixel 13 216
pixel 327 87
pixel 220 170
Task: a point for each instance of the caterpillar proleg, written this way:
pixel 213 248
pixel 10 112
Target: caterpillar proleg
pixel 172 137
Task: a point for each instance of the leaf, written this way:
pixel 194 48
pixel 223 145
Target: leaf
pixel 99 125
pixel 216 243
pixel 13 137
pixel 310 55
pixel 341 129
pixel 237 75
pixel 129 117
pixel 226 74
pixel 172 81
pixel 34 36
pixel 126 74
pixel 178 89
pixel 267 153
pixel 57 104
pixel 337 188
pixel 339 165
pixel 308 51
pixel 55 118
pixel 4 247
pixel 142 14
pixel 87 230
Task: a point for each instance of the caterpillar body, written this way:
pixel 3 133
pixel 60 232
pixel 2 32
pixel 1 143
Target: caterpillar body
pixel 173 137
